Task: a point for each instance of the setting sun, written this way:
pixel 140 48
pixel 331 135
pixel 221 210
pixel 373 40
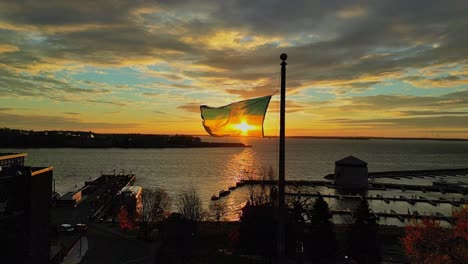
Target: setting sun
pixel 244 127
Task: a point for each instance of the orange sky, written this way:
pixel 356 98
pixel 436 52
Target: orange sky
pixel 377 68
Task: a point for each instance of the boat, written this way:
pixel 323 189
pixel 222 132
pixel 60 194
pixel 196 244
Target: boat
pixel 224 193
pixel 240 183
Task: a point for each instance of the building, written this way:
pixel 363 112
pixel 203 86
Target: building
pixel 12 159
pixel 130 197
pixel 351 172
pixel 25 201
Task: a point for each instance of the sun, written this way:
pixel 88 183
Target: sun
pixel 244 128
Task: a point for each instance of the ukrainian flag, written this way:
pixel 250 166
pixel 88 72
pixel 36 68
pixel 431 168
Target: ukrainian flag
pixel 243 118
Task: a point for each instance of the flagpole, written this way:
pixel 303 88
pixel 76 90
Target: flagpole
pixel 281 170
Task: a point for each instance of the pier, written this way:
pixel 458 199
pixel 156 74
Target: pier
pixel 94 201
pixel 372 186
pixel 399 216
pixel 401 198
pixel 418 173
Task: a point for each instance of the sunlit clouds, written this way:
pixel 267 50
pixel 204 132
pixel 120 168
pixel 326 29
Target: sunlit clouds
pixel 373 68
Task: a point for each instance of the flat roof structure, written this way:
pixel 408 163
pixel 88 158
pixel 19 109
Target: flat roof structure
pixel 9 155
pixel 12 159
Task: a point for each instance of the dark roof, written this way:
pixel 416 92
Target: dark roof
pixel 351 160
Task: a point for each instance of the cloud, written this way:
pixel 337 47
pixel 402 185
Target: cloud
pixel 194 108
pixel 5 48
pixel 273 107
pixel 351 12
pixel 58 122
pixel 72 113
pixel 115 103
pixel 431 113
pixel 438 122
pixel 203 50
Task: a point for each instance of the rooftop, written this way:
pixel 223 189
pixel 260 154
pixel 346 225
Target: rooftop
pixel 351 160
pixel 4 156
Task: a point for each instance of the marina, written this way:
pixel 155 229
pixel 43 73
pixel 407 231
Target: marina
pixel 396 192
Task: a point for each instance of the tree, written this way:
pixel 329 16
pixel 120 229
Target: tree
pixel 363 242
pixel 190 205
pixel 427 242
pixel 155 203
pixel 125 222
pixel 258 225
pixel 258 229
pixel 322 244
pixel 260 194
pixel 152 209
pixel 177 240
pixel 218 210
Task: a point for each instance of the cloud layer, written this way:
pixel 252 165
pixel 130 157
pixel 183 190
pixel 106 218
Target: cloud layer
pixel 373 67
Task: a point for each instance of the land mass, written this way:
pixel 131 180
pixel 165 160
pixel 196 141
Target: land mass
pixel 370 138
pixel 16 138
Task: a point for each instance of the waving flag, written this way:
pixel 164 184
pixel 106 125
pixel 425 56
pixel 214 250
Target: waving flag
pixel 243 118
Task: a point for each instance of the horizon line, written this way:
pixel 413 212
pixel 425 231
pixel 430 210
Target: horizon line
pixel 273 136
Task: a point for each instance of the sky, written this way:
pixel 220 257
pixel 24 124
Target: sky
pixel 355 68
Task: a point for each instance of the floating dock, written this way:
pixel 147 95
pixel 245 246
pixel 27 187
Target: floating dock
pixel 399 216
pixel 372 186
pixel 401 198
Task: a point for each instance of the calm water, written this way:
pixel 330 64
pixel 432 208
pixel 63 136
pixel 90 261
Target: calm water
pixel 210 170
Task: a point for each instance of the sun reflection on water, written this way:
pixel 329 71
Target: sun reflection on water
pixel 237 168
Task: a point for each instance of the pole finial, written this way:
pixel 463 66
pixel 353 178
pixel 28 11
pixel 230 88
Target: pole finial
pixel 283 56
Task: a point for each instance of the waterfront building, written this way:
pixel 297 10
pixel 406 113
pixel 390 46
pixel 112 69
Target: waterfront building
pixel 130 197
pixel 12 159
pixel 351 172
pixel 25 201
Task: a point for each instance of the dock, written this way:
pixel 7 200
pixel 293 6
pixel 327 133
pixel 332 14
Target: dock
pixel 410 201
pixel 399 216
pixel 94 201
pixel 419 173
pixel 400 198
pixel 372 186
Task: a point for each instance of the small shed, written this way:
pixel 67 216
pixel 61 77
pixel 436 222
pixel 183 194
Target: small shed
pixel 351 172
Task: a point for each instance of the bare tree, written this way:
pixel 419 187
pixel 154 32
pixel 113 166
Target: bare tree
pixel 155 202
pixel 190 205
pixel 218 210
pixel 261 194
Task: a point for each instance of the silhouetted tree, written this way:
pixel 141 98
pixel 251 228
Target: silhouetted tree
pixel 190 205
pixel 154 205
pixel 363 242
pixel 321 244
pixel 263 193
pixel 176 239
pixel 218 210
pixel 258 225
pixel 258 229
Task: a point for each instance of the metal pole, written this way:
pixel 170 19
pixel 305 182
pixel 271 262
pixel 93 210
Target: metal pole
pixel 281 202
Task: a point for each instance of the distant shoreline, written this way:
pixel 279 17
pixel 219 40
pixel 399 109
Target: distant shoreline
pixel 15 138
pixel 384 138
pixel 223 145
pixel 362 138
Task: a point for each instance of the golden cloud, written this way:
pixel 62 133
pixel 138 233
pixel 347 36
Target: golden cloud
pixel 5 48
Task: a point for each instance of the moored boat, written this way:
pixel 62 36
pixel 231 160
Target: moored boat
pixel 224 193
